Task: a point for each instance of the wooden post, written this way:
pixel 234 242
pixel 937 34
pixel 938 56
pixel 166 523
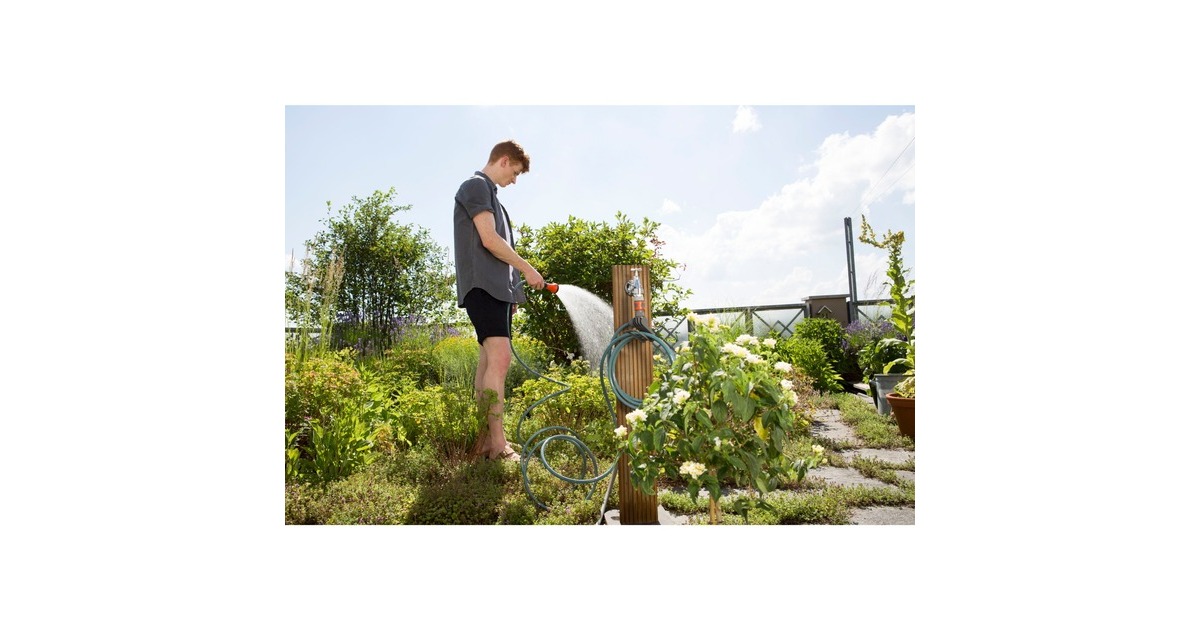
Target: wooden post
pixel 634 372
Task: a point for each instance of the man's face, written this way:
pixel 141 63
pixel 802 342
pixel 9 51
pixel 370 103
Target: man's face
pixel 509 170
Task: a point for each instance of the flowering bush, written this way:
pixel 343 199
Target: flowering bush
pixel 318 386
pixel 719 413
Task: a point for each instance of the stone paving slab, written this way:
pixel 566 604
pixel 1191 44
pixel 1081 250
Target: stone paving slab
pixel 827 424
pixel 845 477
pixel 891 456
pixel 906 475
pixel 883 515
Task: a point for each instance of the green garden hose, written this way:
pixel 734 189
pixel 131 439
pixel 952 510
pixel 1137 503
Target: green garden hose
pixel 536 444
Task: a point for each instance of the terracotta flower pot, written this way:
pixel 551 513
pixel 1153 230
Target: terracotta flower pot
pixel 905 410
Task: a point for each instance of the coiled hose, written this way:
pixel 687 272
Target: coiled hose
pixel 536 444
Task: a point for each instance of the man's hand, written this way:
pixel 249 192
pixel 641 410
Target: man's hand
pixel 534 279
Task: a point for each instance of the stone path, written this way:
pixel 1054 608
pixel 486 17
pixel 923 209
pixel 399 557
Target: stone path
pixel 828 425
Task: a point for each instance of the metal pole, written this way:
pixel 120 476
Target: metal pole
pixel 850 270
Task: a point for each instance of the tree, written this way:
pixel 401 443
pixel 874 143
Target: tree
pixel 582 253
pixel 390 272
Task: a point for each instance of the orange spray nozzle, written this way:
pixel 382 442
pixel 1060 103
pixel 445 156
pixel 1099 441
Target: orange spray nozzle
pixel 552 287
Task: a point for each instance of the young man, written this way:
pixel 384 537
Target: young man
pixel 487 268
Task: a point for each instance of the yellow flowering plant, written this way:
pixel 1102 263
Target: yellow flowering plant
pixel 718 414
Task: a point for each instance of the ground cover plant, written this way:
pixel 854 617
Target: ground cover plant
pixel 384 440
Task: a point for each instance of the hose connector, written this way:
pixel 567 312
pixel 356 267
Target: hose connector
pixel 633 288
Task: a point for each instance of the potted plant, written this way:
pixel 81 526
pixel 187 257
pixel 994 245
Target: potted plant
pixel 903 317
pixel 903 400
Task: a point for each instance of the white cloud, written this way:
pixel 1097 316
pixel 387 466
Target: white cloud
pixel 669 207
pixel 793 244
pixel 745 120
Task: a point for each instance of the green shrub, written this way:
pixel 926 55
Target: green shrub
pixel 441 418
pixel 411 356
pixel 807 356
pixel 335 447
pixel 864 338
pixel 456 359
pixel 320 385
pixel 830 334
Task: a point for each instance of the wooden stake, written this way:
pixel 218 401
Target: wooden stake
pixel 634 372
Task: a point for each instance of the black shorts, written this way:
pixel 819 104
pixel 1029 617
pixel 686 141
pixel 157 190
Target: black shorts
pixel 489 316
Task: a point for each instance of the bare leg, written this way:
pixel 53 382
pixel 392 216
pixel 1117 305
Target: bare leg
pixel 494 359
pixel 481 443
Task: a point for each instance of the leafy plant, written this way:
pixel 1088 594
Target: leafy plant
pixel 810 358
pixel 903 300
pixel 718 414
pixel 583 253
pixel 337 446
pixel 832 337
pixel 865 338
pixel 324 381
pixel 389 270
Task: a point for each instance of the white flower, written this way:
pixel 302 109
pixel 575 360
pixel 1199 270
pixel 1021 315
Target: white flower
pixel 692 468
pixel 684 347
pixel 718 373
pixel 769 342
pixel 789 397
pixel 676 378
pixel 687 366
pixel 754 358
pixel 621 431
pixel 635 416
pixel 786 384
pixel 783 367
pixel 717 442
pixel 681 396
pixel 747 339
pixel 818 449
pixel 735 350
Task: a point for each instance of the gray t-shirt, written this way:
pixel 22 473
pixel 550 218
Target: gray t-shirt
pixel 474 265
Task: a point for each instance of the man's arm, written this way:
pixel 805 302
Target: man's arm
pixel 485 224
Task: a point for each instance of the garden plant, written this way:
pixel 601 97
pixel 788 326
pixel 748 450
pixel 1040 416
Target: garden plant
pixel 378 423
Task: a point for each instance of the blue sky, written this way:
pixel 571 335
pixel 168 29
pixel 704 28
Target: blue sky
pixel 751 198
